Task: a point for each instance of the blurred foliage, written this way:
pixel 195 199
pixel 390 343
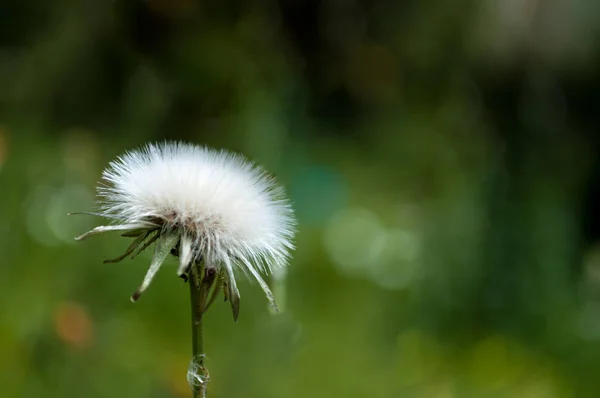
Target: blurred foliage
pixel 442 157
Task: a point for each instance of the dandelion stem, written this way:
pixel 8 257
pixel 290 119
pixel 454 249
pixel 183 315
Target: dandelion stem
pixel 197 373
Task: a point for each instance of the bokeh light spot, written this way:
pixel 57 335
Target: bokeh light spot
pixel 73 325
pixel 47 218
pixel 396 266
pixel 62 202
pixel 355 239
pixel 174 374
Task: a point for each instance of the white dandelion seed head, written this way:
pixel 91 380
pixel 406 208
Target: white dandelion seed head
pixel 215 205
pixel 215 196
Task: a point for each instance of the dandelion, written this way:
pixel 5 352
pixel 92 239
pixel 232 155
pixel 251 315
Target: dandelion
pixel 220 214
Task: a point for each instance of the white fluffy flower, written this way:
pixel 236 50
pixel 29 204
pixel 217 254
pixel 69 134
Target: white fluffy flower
pixel 204 206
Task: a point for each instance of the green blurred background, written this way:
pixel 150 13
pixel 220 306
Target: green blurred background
pixel 442 158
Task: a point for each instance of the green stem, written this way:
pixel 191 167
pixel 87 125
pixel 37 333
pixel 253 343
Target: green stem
pixel 199 375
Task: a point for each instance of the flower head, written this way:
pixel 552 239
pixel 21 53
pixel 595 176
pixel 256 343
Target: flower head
pixel 205 206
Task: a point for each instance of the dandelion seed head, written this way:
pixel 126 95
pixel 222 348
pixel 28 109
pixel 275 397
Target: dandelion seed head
pixel 213 195
pixel 214 205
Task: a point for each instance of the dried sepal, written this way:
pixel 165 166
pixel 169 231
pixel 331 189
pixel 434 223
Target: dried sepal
pixel 185 255
pixel 218 286
pixel 85 213
pixel 138 241
pixel 134 233
pixel 233 294
pixel 154 235
pixel 209 276
pixel 108 228
pixel 166 242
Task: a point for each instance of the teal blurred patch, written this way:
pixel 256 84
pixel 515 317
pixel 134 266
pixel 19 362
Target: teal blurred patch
pixel 317 192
